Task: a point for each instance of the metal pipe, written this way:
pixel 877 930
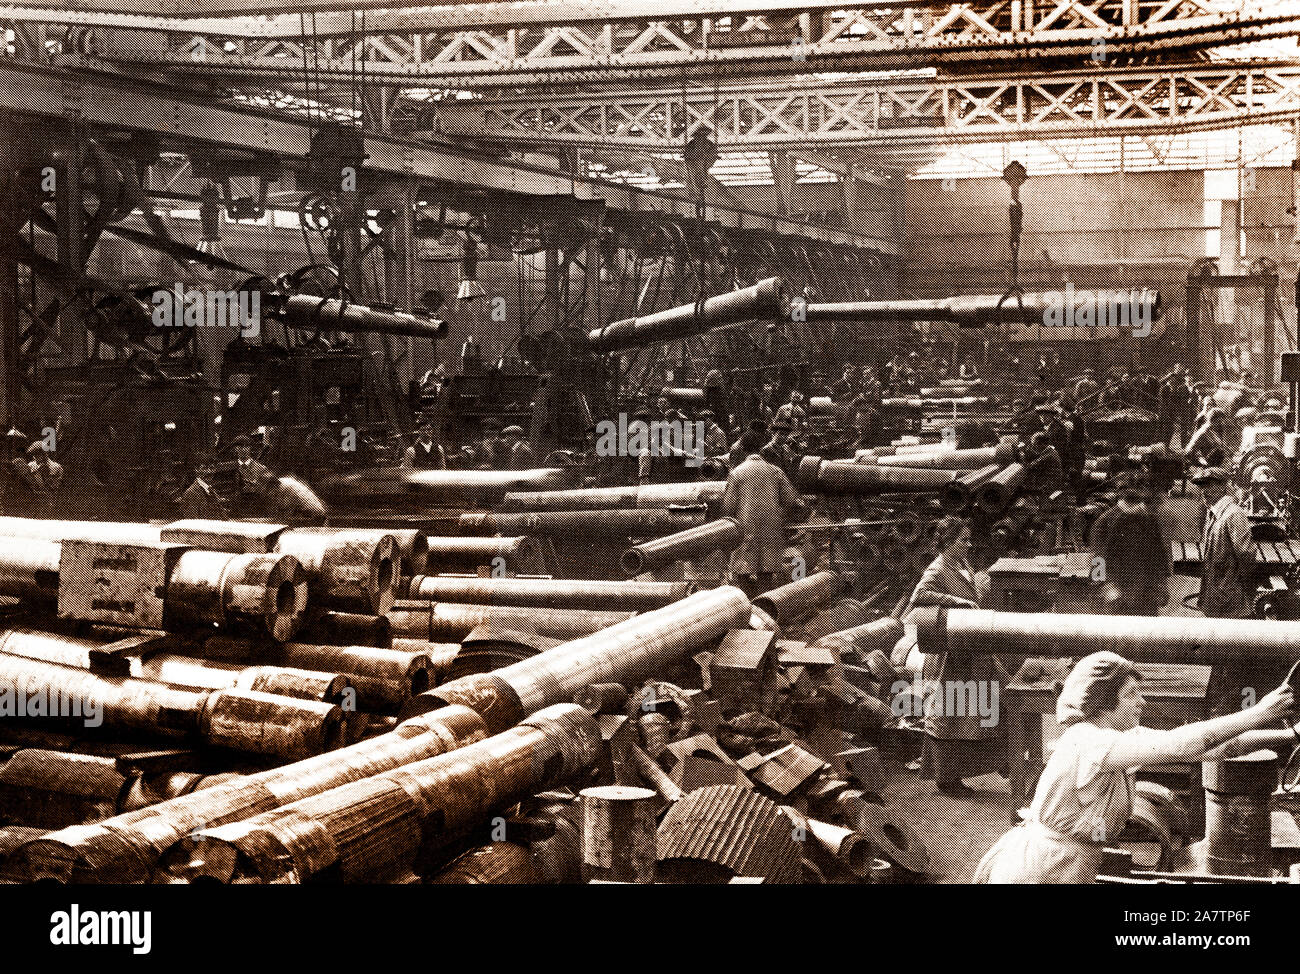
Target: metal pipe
pixel 1135 305
pixel 349 570
pixel 766 299
pixel 585 524
pixel 127 848
pixel 383 679
pixel 953 459
pixel 462 554
pixel 995 494
pixel 371 830
pixel 348 629
pixel 724 533
pixel 181 671
pixel 620 654
pixel 242 720
pixel 412 543
pixel 268 593
pixel 795 600
pixel 442 488
pixel 957 495
pixel 651 496
pixel 447 622
pixel 310 313
pixel 849 477
pixel 595 595
pixel 880 634
pixel 1157 639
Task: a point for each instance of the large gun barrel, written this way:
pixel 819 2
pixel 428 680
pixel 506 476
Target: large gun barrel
pixel 624 652
pixel 309 313
pixel 1142 639
pixel 1137 305
pixel 724 533
pixel 766 299
pixel 595 595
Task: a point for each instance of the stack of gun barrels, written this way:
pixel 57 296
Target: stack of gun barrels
pixel 256 703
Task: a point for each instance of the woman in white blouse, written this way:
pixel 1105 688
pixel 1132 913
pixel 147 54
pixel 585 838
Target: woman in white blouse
pixel 1085 794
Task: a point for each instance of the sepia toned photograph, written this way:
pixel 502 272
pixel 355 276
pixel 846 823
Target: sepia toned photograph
pixel 561 443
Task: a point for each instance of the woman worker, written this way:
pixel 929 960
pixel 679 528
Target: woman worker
pixel 1085 794
pixel 959 741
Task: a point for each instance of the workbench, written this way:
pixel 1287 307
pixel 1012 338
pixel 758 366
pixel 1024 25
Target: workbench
pixel 1175 694
pixel 1046 583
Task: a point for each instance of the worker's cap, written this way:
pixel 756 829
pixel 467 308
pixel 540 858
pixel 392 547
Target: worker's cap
pixel 1212 475
pixel 642 413
pixel 709 413
pixel 513 431
pixel 757 426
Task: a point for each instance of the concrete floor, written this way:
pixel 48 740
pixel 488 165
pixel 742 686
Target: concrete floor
pixel 958 831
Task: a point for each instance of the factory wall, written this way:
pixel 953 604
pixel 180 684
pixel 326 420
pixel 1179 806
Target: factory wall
pixel 1103 230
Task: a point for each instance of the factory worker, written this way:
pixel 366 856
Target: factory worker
pixel 425 453
pixel 761 498
pixel 957 744
pixel 520 452
pixel 1085 793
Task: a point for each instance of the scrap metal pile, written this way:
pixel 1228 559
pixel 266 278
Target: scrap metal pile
pixel 261 704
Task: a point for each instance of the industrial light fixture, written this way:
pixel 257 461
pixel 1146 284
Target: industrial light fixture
pixel 470 289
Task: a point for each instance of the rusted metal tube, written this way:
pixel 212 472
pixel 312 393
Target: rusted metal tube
pixel 242 720
pixel 595 595
pixel 347 629
pixel 766 299
pixel 849 477
pixel 448 622
pixel 620 654
pixel 791 602
pixel 466 554
pixel 383 679
pixel 649 770
pixel 953 459
pixel 316 314
pixel 412 544
pixel 995 494
pixel 651 496
pixel 1156 639
pixel 585 525
pixel 267 593
pixel 371 830
pixel 127 848
pixel 618 834
pixel 350 571
pixel 724 533
pixel 443 488
pixel 957 496
pixel 181 671
pixel 1135 305
pixel 880 634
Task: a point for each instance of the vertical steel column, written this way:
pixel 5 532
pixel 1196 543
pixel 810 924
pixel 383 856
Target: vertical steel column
pixel 1268 372
pixel 9 225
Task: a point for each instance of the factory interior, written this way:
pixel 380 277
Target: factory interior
pixel 567 442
